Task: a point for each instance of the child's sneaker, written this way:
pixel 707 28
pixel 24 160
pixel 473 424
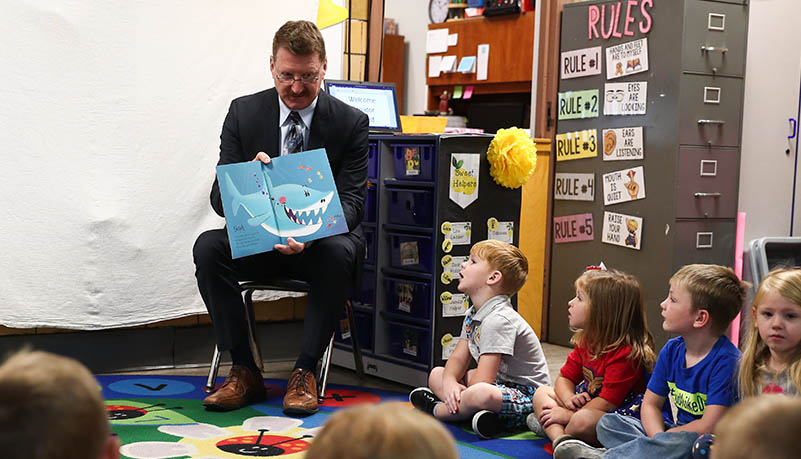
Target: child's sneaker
pixel 576 449
pixel 486 424
pixel 534 425
pixel 423 399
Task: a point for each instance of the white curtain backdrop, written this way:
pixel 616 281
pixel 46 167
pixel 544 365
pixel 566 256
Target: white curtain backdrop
pixel 110 121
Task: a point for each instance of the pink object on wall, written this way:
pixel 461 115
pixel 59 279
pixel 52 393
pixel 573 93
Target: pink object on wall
pixel 738 269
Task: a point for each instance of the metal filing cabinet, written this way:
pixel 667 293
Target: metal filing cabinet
pixel 691 131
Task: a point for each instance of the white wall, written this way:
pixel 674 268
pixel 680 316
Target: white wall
pixel 111 118
pixel 772 82
pixel 412 17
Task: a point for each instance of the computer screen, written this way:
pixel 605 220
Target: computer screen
pixel 377 100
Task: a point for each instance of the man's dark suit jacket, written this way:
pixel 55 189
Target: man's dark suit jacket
pixel 251 126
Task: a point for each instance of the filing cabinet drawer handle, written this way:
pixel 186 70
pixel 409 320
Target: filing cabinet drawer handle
pixel 703 240
pixel 711 122
pixel 707 195
pixel 710 49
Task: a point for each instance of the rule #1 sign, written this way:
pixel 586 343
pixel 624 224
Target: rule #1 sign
pixel 581 62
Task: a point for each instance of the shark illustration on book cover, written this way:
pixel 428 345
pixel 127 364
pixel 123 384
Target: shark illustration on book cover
pixel 293 196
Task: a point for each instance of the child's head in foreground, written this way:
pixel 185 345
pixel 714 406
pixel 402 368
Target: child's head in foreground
pixel 384 431
pixel 608 312
pixel 774 339
pixel 759 427
pixel 702 296
pixel 51 408
pixel 503 258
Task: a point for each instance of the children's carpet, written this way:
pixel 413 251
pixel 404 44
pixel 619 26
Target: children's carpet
pixel 163 417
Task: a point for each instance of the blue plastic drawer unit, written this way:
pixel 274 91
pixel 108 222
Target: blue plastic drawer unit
pixel 414 161
pixel 364 330
pixel 407 297
pixel 372 160
pixel 411 251
pixel 409 342
pixel 370 203
pixel 411 206
pixel 370 246
pixel 367 294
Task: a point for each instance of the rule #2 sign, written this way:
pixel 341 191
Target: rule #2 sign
pixel 578 104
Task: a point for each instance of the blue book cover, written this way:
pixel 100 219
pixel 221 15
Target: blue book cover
pixel 293 196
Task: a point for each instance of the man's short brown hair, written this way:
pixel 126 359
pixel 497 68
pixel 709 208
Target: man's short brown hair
pixel 300 38
pixel 507 259
pixel 715 289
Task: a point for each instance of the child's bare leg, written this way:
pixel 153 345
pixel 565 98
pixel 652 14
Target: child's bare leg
pixel 545 398
pixel 435 381
pixel 582 425
pixel 480 396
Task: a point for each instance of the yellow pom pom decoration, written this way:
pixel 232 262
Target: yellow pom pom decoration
pixel 512 156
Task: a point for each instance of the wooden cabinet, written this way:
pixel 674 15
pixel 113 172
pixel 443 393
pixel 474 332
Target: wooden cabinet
pixel 691 143
pixel 510 40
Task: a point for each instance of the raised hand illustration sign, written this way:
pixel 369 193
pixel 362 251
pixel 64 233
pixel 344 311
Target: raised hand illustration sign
pixel 293 196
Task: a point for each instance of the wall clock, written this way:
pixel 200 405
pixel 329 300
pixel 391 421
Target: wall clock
pixel 438 10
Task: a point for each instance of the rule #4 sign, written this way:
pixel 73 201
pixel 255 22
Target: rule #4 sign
pixel 574 186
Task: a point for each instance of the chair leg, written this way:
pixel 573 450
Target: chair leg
pixel 354 341
pixel 250 315
pixel 215 367
pixel 324 370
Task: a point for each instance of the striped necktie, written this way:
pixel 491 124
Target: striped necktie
pixel 293 142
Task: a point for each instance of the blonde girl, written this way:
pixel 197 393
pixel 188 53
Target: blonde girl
pixel 606 371
pixel 771 361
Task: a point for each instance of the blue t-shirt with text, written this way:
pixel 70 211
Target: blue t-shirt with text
pixel 709 382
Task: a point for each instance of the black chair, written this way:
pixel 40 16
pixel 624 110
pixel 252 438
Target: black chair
pixel 294 285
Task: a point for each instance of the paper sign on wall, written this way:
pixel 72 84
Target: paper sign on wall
pixel 624 185
pixel 577 145
pixel 454 265
pixel 578 104
pixel 448 345
pixel 581 62
pixel 627 59
pixel 622 230
pixel 570 186
pixel 454 304
pixel 458 232
pixel 625 98
pixel 500 231
pixel 573 228
pixel 623 143
pixel 464 178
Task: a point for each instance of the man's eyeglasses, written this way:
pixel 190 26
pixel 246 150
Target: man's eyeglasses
pixel 306 78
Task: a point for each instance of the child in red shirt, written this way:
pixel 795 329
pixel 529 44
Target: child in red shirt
pixel 606 371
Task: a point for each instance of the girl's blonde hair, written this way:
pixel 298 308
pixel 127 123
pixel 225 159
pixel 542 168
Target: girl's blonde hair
pixel 615 316
pixel 784 282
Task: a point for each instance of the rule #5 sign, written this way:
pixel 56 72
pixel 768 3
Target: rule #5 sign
pixel 573 228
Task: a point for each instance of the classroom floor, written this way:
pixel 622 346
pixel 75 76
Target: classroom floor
pixel 554 354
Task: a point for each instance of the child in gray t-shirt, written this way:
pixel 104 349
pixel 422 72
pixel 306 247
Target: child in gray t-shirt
pixel 511 365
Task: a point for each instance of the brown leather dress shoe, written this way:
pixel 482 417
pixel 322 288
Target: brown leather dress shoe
pixel 242 387
pixel 301 393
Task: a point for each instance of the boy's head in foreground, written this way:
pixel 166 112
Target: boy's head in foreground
pixel 384 431
pixel 702 297
pixel 759 427
pixel 495 267
pixel 51 408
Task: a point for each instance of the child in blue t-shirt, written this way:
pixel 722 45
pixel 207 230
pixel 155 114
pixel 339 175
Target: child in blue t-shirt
pixel 696 371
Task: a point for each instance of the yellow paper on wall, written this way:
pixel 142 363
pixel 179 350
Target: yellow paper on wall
pixel 329 14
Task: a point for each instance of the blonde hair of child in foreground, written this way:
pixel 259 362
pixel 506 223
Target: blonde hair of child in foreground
pixel 392 430
pixel 759 427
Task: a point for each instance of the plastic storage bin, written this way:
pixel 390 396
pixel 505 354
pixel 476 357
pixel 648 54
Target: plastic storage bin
pixel 371 246
pixel 364 330
pixel 414 161
pixel 409 342
pixel 372 160
pixel 411 206
pixel 411 251
pixel 408 297
pixel 370 203
pixel 367 294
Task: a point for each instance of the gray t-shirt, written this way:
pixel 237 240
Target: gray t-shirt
pixel 496 328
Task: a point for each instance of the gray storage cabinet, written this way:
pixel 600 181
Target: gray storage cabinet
pixel 399 317
pixel 691 129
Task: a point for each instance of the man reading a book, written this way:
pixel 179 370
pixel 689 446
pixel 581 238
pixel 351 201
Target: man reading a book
pixel 293 116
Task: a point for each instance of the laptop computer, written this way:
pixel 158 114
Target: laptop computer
pixel 377 100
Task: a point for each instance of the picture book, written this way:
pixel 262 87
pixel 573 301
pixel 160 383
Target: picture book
pixel 293 196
